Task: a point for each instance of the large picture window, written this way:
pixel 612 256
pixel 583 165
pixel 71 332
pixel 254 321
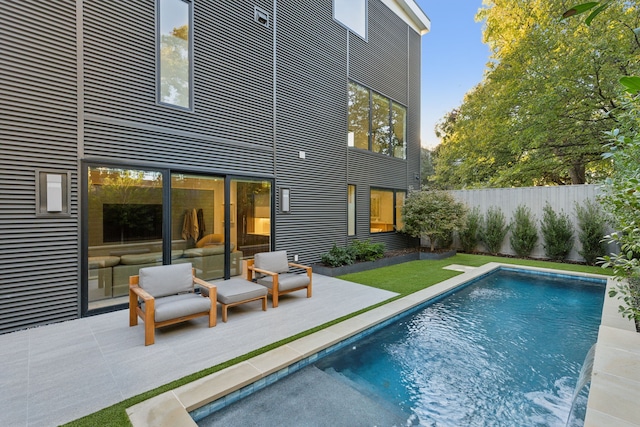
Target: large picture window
pixel 174 51
pixel 376 123
pixel 385 210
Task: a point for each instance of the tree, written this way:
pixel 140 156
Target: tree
pixel 591 231
pixel 432 214
pixel 539 115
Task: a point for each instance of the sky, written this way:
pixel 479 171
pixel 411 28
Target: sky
pixel 453 60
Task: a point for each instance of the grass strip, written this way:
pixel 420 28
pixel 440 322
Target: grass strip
pixel 403 279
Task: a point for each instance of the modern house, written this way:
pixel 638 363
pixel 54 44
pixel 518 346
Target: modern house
pixel 199 131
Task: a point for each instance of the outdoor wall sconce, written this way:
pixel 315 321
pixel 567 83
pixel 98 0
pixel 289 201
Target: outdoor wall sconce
pixel 52 192
pixel 261 16
pixel 285 200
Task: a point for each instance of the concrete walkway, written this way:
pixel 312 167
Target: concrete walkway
pixel 57 373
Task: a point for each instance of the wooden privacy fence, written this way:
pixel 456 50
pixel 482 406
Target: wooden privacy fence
pixel 561 198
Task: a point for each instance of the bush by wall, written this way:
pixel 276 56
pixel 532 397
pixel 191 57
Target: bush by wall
pixel 356 251
pixel 557 233
pixel 524 233
pixel 494 229
pixel 469 234
pixel 592 230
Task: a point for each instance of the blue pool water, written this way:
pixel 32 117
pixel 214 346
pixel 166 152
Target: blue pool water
pixel 504 351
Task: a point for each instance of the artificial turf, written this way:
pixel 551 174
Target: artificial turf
pixel 403 279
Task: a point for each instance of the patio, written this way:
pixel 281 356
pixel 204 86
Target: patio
pixel 57 373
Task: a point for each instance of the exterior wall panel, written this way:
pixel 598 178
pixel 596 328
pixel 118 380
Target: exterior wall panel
pixel 384 54
pixel 233 84
pixel 311 116
pixel 38 255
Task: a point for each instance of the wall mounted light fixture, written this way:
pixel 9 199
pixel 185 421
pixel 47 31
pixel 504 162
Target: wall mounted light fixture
pixel 52 192
pixel 285 199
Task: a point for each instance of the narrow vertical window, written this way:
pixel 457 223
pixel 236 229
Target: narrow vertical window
pixel 380 125
pixel 358 135
pixel 400 196
pixel 351 210
pixel 174 51
pixel 398 131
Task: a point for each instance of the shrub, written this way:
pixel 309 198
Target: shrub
pixel 337 257
pixel 366 250
pixel 524 233
pixel 494 229
pixel 356 251
pixel 469 234
pixel 592 229
pixel 432 214
pixel 557 233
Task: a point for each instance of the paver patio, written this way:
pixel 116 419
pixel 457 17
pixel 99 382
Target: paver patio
pixel 57 373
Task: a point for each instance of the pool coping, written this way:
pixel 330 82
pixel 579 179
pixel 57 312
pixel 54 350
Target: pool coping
pixel 173 407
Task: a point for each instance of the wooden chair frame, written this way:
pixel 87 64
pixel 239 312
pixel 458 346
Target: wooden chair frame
pixel 274 291
pixel 148 315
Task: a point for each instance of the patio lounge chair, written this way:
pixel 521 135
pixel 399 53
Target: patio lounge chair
pixel 272 270
pixel 164 295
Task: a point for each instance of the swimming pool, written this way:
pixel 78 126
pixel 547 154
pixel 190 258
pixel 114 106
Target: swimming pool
pixel 467 359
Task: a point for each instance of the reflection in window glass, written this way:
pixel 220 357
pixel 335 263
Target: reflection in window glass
pixel 398 131
pixel 197 224
pixel 124 230
pixel 175 68
pixel 358 135
pixel 251 216
pixel 351 210
pixel 352 14
pixel 380 126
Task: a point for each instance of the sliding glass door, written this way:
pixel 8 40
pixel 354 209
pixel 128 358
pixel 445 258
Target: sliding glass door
pixel 140 218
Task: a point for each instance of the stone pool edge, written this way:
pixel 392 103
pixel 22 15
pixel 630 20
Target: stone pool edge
pixel 172 408
pixel 615 381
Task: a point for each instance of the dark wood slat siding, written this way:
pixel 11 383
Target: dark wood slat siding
pixel 311 117
pixel 413 111
pixel 233 87
pixel 389 63
pixel 381 62
pixel 38 255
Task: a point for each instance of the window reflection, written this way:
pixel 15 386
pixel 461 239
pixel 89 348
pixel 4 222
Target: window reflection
pixel 376 123
pixel 175 69
pixel 124 229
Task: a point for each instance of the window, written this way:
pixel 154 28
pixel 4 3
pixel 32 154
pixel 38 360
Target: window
pixel 386 210
pixel 352 14
pixel 351 210
pixel 359 107
pixel 380 126
pixel 376 123
pixel 174 52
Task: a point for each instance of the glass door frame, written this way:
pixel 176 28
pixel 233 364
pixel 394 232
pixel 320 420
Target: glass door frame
pixel 166 173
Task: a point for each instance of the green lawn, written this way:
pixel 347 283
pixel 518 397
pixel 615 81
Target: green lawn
pixel 403 278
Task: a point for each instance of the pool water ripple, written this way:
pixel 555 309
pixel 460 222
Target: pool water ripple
pixel 504 351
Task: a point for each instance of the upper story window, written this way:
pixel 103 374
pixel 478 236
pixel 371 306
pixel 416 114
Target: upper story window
pixel 376 123
pixel 174 52
pixel 352 14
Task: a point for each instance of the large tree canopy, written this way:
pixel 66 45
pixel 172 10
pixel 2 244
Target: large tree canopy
pixel 550 92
